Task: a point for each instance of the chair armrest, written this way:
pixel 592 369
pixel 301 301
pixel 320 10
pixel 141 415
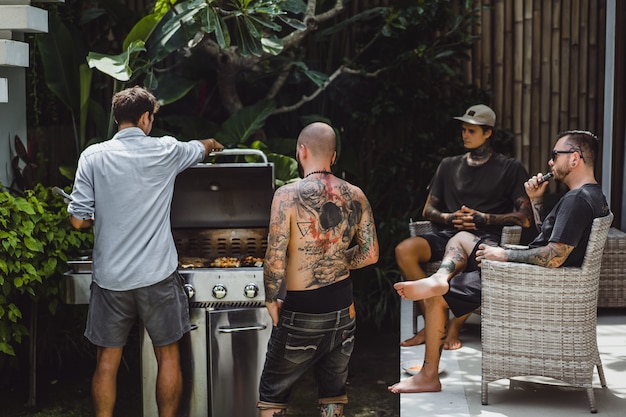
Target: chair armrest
pixel 420 227
pixel 511 235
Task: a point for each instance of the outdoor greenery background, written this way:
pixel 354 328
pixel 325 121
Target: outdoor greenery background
pixel 385 75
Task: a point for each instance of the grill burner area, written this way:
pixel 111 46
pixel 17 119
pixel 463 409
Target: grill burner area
pixel 220 243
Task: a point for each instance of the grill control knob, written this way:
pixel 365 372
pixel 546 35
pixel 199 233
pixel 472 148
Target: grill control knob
pixel 251 290
pixel 219 291
pixel 189 290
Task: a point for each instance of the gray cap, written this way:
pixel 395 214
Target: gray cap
pixel 479 115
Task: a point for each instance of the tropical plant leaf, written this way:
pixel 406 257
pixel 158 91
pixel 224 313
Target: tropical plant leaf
pixel 60 64
pixel 240 126
pixel 317 77
pixel 116 66
pixel 294 23
pixel 272 45
pixel 285 167
pixel 172 87
pixel 216 25
pixel 142 30
pixel 85 92
pixel 248 44
pixel 174 30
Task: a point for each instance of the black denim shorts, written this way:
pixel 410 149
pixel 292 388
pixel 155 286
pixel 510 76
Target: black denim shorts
pixel 301 341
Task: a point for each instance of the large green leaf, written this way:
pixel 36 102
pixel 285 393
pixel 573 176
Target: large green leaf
pixel 240 126
pixel 116 66
pixel 247 43
pixel 172 87
pixel 216 25
pixel 60 63
pixel 174 30
pixel 85 92
pixel 272 45
pixel 285 168
pixel 142 30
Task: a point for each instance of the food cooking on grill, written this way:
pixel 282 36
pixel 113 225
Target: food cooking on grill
pixel 226 262
pixel 252 261
pixel 193 262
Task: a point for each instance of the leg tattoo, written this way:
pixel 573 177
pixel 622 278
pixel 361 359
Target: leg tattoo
pixel 331 410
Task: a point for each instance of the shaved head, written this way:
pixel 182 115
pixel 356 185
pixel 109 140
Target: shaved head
pixel 319 138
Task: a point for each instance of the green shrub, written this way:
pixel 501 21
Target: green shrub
pixel 36 240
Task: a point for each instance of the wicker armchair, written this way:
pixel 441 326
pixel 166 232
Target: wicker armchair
pixel 542 321
pixel 511 235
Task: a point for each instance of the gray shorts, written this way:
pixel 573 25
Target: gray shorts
pixel 162 308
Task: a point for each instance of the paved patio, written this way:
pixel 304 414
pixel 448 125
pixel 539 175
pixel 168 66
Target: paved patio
pixel 460 396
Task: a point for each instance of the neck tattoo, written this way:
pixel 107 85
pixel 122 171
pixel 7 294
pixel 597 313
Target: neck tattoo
pixel 322 171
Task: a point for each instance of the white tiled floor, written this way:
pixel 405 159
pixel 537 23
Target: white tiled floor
pixel 460 396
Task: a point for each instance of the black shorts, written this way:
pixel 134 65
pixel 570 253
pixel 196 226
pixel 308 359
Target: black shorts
pixel 464 295
pixel 439 239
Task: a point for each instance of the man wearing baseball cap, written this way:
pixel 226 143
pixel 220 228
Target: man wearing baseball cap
pixel 479 191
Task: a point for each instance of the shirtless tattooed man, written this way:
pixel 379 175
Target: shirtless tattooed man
pixel 310 253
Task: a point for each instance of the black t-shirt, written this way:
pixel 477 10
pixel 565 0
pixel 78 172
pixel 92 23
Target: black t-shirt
pixel 570 221
pixel 489 188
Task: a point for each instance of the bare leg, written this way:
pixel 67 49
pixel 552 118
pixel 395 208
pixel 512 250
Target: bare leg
pixel 169 385
pixel 454 261
pixel 410 253
pixel 273 412
pixel 427 379
pixel 455 325
pixel 331 410
pixel 104 382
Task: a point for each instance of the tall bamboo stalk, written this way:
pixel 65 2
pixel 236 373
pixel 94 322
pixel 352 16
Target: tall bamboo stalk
pixel 527 105
pixel 546 53
pixel 518 77
pixel 557 89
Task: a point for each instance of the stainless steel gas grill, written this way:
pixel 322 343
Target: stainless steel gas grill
pixel 220 218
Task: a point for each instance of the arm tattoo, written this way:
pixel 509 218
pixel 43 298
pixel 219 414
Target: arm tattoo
pixel 538 212
pixel 432 213
pixel 520 217
pixel 275 265
pixel 552 255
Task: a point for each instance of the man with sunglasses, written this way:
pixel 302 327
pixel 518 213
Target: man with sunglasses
pixel 562 241
pixel 123 189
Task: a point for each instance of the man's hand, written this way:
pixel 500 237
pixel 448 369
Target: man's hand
pixel 535 190
pixel 274 309
pixel 211 145
pixel 490 253
pixel 468 219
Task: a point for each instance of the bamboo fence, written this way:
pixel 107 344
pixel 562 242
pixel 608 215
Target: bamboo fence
pixel 543 62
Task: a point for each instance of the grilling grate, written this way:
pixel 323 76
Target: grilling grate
pixel 215 243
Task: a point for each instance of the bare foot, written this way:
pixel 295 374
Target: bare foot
pixel 423 288
pixel 418 339
pixel 453 342
pixel 419 382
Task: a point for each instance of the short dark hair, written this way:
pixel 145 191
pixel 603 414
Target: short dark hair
pixel 585 142
pixel 128 105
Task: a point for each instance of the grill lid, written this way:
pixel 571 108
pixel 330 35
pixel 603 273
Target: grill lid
pixel 224 195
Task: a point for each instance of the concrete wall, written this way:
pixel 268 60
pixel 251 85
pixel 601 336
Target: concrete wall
pixel 17 17
pixel 12 119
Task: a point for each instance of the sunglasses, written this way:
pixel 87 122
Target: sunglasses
pixel 556 152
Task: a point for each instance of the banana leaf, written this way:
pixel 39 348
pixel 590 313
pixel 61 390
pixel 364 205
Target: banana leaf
pixel 60 63
pixel 241 125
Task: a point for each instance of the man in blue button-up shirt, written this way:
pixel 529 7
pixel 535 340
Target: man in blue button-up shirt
pixel 123 188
